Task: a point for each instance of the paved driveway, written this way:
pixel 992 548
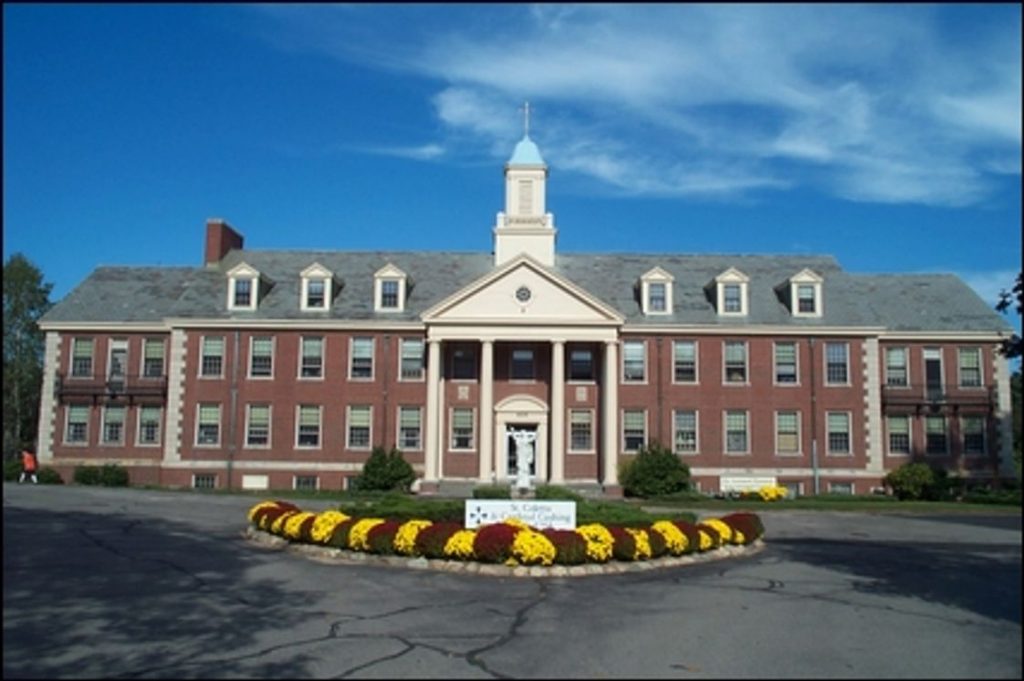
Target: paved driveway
pixel 148 584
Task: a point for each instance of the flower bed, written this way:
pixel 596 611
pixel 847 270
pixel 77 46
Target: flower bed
pixel 511 542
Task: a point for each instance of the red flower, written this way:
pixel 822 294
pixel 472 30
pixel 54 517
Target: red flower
pixel 493 543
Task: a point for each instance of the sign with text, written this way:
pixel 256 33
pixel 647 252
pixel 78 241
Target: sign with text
pixel 560 515
pixel 745 483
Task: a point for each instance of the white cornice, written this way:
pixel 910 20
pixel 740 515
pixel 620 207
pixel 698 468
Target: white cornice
pixel 754 330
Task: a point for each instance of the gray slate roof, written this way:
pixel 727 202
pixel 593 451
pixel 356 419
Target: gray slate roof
pixel 939 302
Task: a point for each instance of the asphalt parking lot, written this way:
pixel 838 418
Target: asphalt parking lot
pixel 149 584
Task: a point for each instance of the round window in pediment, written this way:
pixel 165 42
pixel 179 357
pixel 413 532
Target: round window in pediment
pixel 523 294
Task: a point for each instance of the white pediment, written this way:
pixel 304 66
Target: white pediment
pixel 243 270
pixel 732 276
pixel 523 292
pixel 806 276
pixel 316 271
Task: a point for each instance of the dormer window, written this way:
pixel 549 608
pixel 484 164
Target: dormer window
pixel 805 294
pixel 390 287
pixel 243 287
pixel 732 293
pixel 656 292
pixel 317 287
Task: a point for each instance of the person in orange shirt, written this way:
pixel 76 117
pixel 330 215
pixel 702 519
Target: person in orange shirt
pixel 28 466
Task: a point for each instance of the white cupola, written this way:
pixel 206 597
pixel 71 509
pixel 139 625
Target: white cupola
pixel 524 226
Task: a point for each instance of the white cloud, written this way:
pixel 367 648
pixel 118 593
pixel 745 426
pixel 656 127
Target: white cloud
pixel 425 152
pixel 988 284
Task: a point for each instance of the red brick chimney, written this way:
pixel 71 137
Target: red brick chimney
pixel 220 239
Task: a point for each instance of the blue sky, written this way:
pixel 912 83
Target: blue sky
pixel 888 136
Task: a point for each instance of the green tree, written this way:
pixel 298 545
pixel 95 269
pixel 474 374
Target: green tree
pixel 1014 345
pixel 26 298
pixel 654 471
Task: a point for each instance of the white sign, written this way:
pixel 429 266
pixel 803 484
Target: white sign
pixel 560 515
pixel 744 484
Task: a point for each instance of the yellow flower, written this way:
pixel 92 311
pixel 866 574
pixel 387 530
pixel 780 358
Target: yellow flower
pixel 460 544
pixel 705 540
pixel 675 540
pixel 738 537
pixel 357 538
pixel 263 504
pixel 323 526
pixel 405 538
pixel 515 522
pixel 293 525
pixel 599 541
pixel 531 547
pixel 277 527
pixel 643 544
pixel 724 531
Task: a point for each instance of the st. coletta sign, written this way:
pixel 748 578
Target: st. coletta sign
pixel 560 515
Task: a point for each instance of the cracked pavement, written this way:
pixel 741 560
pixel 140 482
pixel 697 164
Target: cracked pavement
pixel 132 583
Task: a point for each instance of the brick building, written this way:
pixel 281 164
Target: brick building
pixel 283 369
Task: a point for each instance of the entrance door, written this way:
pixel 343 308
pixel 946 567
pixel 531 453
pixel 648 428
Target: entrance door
pixel 510 448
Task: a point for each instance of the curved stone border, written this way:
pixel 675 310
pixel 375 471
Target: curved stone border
pixel 336 556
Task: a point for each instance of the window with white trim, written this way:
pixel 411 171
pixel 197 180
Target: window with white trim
pixel 685 431
pixel 656 292
pixel 113 425
pixel 805 298
pixel 243 287
pixel 935 435
pixel 656 297
pixel 684 361
pixel 581 364
pixel 581 430
pixel 308 424
pixel 787 433
pixel 312 357
pixel 81 357
pixel 735 361
pixel 785 364
pixel 521 365
pixel 149 426
pixel 410 428
pixel 306 483
pixel 153 358
pixel 896 375
pixel 317 288
pixel 838 432
pixel 737 436
pixel 389 294
pixel 261 357
pixel 208 424
pixel 211 363
pixel 361 366
pixel 390 286
pixel 837 363
pixel 732 293
pixel 970 367
pixel 898 427
pixel 204 481
pixel 634 361
pixel 77 429
pixel 634 430
pixel 257 425
pixel 316 296
pixel 844 488
pixel 463 435
pixel 360 419
pixel 464 363
pixel 242 293
pixel 412 359
pixel 805 294
pixel 972 428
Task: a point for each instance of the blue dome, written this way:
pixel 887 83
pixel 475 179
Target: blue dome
pixel 526 154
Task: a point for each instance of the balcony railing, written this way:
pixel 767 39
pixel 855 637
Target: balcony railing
pixel 126 385
pixel 919 394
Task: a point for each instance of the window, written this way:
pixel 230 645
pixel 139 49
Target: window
pixel 362 358
pixel 118 364
pixel 390 287
pixel 656 300
pixel 307 433
pixel 317 287
pixel 153 358
pixel 805 298
pixel 81 357
pixel 359 419
pixel 312 365
pixel 581 430
pixel 113 425
pixel 840 488
pixel 970 367
pixel 973 429
pixel 793 489
pixel 212 362
pixel 412 359
pixel 243 293
pixel 257 430
pixel 787 432
pixel 736 432
pixel 149 426
pixel 389 294
pixel 633 361
pixel 896 367
pixel 634 429
pixel 735 362
pixel 315 296
pixel 732 294
pixel 935 435
pixel 838 433
pixel 522 365
pixel 685 437
pixel 261 362
pixel 464 363
pixel 581 365
pixel 684 355
pixel 243 287
pixel 77 431
pixel 204 481
pixel 785 364
pixel 308 483
pixel 899 434
pixel 409 428
pixel 462 428
pixel 208 425
pixel 837 370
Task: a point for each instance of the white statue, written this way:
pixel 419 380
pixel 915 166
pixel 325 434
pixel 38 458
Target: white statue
pixel 524 456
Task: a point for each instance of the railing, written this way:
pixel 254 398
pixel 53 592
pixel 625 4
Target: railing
pixel 130 386
pixel 917 394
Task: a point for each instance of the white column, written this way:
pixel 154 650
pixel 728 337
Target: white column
pixel 557 412
pixel 47 404
pixel 610 415
pixel 486 410
pixel 176 367
pixel 431 451
pixel 873 407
